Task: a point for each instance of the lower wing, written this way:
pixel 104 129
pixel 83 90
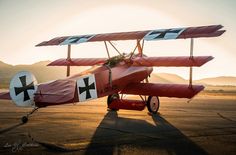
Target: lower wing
pixel 163 90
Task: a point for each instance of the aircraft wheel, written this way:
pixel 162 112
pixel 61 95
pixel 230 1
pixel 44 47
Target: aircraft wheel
pixel 111 98
pixel 153 104
pixel 24 119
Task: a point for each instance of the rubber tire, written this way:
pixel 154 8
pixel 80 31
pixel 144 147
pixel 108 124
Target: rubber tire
pixel 24 119
pixel 111 98
pixel 149 104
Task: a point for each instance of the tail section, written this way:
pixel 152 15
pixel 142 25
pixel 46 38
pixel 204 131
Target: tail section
pixel 22 88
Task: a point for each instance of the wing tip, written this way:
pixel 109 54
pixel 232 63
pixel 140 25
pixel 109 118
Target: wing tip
pixel 196 89
pixel 207 59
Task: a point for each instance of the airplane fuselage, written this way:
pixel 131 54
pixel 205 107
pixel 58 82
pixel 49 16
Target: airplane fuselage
pixel 113 80
pixel 108 80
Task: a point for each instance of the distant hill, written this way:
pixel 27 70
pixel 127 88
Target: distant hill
pixel 167 78
pixel 41 71
pixel 2 64
pixel 173 78
pixel 44 73
pixel 222 80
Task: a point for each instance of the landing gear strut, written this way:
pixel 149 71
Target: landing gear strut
pixel 24 119
pixel 111 98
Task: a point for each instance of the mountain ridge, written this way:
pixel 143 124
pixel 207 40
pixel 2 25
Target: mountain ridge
pixel 43 73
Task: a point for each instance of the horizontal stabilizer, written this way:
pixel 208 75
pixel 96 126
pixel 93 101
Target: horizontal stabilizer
pixel 163 90
pixel 5 96
pixel 158 34
pixel 180 61
pixel 78 62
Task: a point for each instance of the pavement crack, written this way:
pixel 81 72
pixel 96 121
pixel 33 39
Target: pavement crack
pixel 10 128
pixel 226 118
pixel 128 132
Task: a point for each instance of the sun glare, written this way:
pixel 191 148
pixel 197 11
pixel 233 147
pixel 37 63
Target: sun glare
pixel 118 18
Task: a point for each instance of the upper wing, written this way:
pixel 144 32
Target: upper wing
pixel 180 61
pixel 163 90
pixel 160 34
pixel 78 62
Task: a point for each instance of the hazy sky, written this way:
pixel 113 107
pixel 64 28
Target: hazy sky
pixel 25 23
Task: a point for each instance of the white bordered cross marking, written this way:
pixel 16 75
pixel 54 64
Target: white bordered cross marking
pixel 86 86
pixel 77 39
pixel 164 34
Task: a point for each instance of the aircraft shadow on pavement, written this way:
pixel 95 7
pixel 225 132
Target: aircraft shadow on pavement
pixel 118 134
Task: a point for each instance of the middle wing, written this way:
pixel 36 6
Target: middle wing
pixel 178 61
pixel 163 90
pixel 78 62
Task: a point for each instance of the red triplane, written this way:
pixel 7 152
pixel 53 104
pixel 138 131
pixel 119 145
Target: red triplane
pixel 112 76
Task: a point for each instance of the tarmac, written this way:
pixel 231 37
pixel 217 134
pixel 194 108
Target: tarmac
pixel 206 125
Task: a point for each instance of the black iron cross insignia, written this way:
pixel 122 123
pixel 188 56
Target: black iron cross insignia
pixel 162 34
pixel 24 88
pixel 74 40
pixel 86 88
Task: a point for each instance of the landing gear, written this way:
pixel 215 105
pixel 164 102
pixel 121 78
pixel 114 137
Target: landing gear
pixel 153 104
pixel 24 119
pixel 111 98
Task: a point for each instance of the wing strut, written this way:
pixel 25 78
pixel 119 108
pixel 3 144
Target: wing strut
pixel 108 54
pixel 191 69
pixel 68 58
pixel 107 50
pixel 114 48
pixel 140 47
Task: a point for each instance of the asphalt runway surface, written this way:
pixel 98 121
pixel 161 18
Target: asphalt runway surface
pixel 206 125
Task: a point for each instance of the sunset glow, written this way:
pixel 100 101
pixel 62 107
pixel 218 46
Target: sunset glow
pixel 25 24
